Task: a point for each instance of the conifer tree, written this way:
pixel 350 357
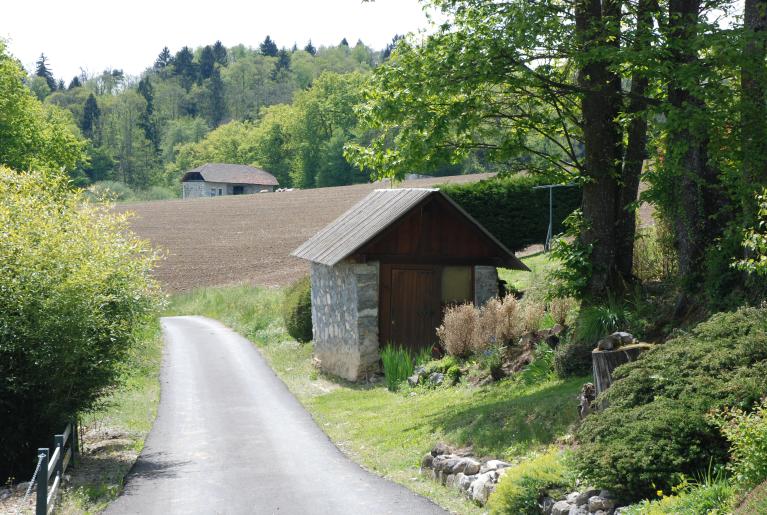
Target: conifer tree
pixel 310 48
pixel 43 71
pixel 164 59
pixel 183 66
pixel 269 47
pixel 207 62
pixel 217 106
pixel 219 53
pixel 344 43
pixel 147 122
pixel 91 114
pixel 282 64
pixel 74 83
pixel 60 85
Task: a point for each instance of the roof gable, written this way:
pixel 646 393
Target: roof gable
pixel 231 174
pixel 373 224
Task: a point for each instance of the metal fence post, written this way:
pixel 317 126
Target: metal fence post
pixel 42 482
pixel 59 443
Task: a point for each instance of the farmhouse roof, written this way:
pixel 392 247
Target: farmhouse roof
pixel 370 217
pixel 231 174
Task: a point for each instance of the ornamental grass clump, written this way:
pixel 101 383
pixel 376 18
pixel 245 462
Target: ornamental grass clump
pixel 397 366
pixel 459 330
pixel 466 330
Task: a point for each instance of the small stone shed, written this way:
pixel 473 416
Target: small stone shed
pixel 385 270
pixel 219 179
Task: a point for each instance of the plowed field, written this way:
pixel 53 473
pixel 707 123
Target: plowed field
pixel 248 238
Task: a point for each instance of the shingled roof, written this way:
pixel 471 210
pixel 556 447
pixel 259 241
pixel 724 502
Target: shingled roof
pixel 371 216
pixel 230 174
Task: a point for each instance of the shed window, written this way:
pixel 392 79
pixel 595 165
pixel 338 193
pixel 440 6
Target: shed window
pixel 213 192
pixel 456 284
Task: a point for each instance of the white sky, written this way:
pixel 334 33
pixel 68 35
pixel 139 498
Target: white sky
pixel 96 35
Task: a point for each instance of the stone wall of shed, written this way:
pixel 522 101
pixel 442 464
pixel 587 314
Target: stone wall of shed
pixel 345 318
pixel 485 284
pixel 193 189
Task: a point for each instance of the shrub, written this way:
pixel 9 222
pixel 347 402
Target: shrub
pixel 458 332
pixel 297 310
pixel 397 365
pixel 512 210
pixel 522 486
pixel 111 190
pixel 75 289
pixel 656 426
pixel 560 309
pixel 747 435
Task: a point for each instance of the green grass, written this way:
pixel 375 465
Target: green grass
pixel 124 420
pixel 388 432
pixel 539 263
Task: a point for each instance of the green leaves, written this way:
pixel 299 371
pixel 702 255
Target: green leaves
pixel 75 287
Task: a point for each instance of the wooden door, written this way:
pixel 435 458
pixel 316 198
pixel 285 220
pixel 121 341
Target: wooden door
pixel 414 306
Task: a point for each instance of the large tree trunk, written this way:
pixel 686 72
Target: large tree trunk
pixel 636 147
pixel 696 193
pixel 753 80
pixel 597 28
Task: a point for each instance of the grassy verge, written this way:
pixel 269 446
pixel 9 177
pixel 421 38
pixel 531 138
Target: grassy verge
pixel 388 432
pixel 539 264
pixel 114 434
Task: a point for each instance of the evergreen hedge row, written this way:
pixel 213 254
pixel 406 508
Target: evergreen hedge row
pixel 512 210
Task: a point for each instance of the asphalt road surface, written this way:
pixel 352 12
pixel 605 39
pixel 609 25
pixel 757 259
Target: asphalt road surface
pixel 230 438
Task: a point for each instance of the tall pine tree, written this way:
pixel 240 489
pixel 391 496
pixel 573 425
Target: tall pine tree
pixel 164 59
pixel 207 62
pixel 310 48
pixel 147 122
pixel 43 71
pixel 219 53
pixel 91 115
pixel 184 67
pixel 269 47
pixel 216 105
pixel 74 83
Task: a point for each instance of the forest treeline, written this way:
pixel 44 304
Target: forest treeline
pixel 289 111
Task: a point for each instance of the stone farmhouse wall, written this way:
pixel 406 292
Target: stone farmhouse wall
pixel 195 189
pixel 345 318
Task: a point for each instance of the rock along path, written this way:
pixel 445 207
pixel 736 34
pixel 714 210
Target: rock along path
pixel 230 438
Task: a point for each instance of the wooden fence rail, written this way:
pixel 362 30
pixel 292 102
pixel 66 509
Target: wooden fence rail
pixel 66 447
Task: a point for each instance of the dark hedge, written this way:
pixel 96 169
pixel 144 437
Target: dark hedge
pixel 297 310
pixel 512 210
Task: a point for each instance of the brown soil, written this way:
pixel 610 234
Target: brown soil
pixel 245 239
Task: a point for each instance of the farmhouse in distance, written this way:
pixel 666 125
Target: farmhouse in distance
pixel 384 271
pixel 219 179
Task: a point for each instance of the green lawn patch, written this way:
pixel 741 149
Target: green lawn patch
pixel 388 432
pixel 539 263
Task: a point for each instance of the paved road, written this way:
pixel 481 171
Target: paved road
pixel 230 438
